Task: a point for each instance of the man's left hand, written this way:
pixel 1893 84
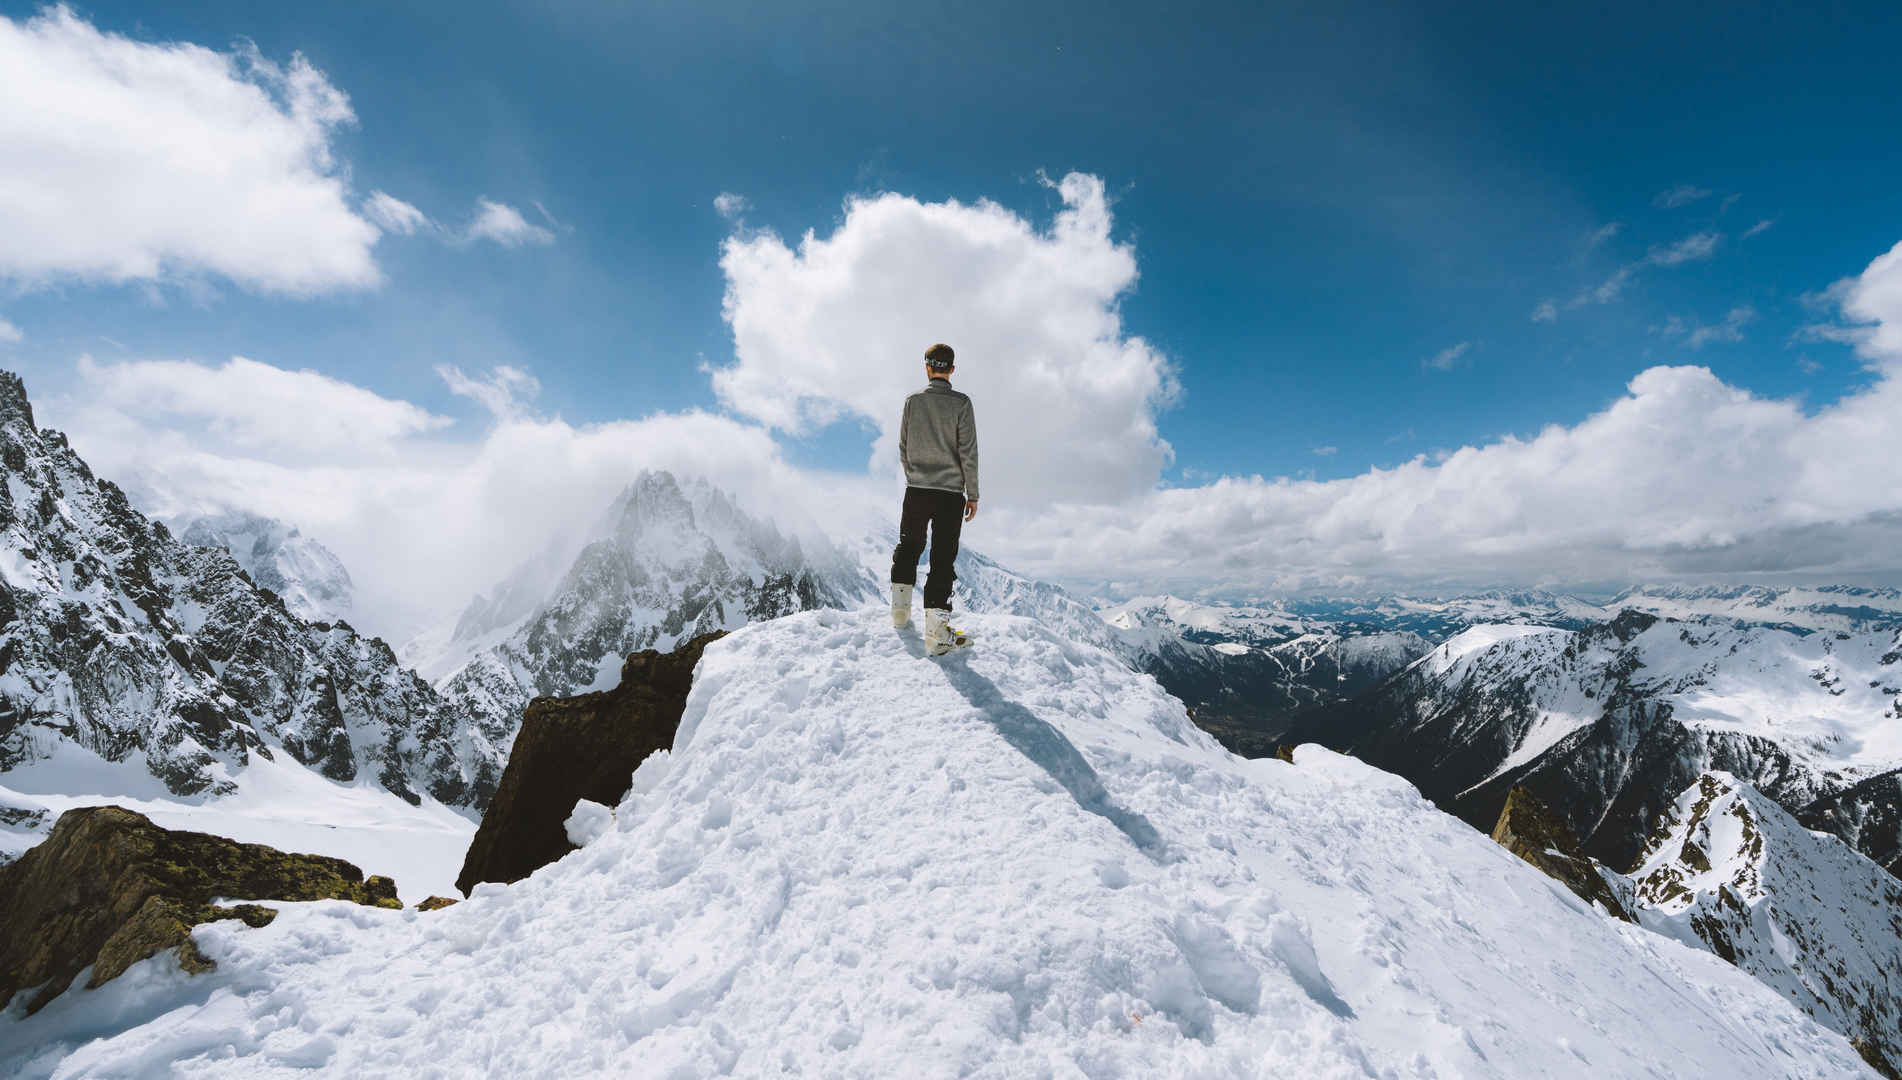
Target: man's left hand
pixel 970 509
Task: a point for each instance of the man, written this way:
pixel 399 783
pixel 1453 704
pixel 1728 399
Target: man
pixel 937 445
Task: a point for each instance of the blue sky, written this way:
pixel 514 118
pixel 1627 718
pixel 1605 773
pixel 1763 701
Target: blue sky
pixel 1321 202
pixel 1320 199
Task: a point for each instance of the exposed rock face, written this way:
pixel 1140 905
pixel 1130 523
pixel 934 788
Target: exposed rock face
pixel 1530 830
pixel 1868 816
pixel 119 638
pixel 108 888
pixel 1728 870
pixel 569 749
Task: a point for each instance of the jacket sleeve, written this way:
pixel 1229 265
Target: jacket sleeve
pixel 967 449
pixel 904 440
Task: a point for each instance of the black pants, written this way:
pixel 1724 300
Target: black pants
pixel 943 511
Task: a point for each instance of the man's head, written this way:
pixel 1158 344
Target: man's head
pixel 938 361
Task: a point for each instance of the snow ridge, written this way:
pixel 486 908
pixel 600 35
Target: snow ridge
pixel 1023 861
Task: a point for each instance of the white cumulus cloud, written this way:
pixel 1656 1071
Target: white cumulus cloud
pixel 259 409
pixel 10 333
pixel 123 160
pixel 837 327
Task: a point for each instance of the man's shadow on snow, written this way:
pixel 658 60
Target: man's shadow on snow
pixel 1045 746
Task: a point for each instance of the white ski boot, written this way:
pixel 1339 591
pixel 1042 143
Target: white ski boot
pixel 901 605
pixel 940 636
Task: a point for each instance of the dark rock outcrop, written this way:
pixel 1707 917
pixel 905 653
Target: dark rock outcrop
pixel 1530 830
pixel 436 903
pixel 1867 816
pixel 108 888
pixel 575 748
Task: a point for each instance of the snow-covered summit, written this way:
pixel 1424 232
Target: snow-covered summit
pixel 1021 861
pixel 278 556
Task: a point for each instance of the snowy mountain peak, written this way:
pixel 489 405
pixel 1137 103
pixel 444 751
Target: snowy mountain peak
pixel 671 560
pixel 16 412
pixel 126 651
pixel 1022 861
pixel 311 580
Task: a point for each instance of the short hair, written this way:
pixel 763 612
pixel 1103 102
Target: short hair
pixel 940 356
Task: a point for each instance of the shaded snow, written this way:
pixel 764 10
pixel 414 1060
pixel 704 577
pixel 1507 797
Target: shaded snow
pixel 279 803
pixel 1023 860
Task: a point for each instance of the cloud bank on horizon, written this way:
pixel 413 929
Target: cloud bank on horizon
pixel 1683 474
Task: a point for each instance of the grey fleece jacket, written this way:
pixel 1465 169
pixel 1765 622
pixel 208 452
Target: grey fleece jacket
pixel 937 440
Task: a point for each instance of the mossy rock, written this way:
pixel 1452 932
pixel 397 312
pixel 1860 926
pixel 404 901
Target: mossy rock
pixel 107 888
pixel 435 903
pixel 1530 830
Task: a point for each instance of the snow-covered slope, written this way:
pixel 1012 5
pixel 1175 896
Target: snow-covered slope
pixel 1607 725
pixel 163 657
pixel 311 580
pixel 1023 861
pixel 1730 871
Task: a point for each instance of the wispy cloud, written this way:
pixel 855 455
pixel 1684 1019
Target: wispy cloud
pixel 499 222
pixel 1447 358
pixel 1759 227
pixel 730 206
pixel 1682 195
pixel 393 214
pixel 1601 234
pixel 1326 451
pixel 505 225
pixel 1696 335
pixel 1693 248
pixel 507 392
pixel 10 333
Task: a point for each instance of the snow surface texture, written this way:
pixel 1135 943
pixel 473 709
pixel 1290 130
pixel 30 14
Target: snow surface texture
pixel 277 802
pixel 311 580
pixel 1020 861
